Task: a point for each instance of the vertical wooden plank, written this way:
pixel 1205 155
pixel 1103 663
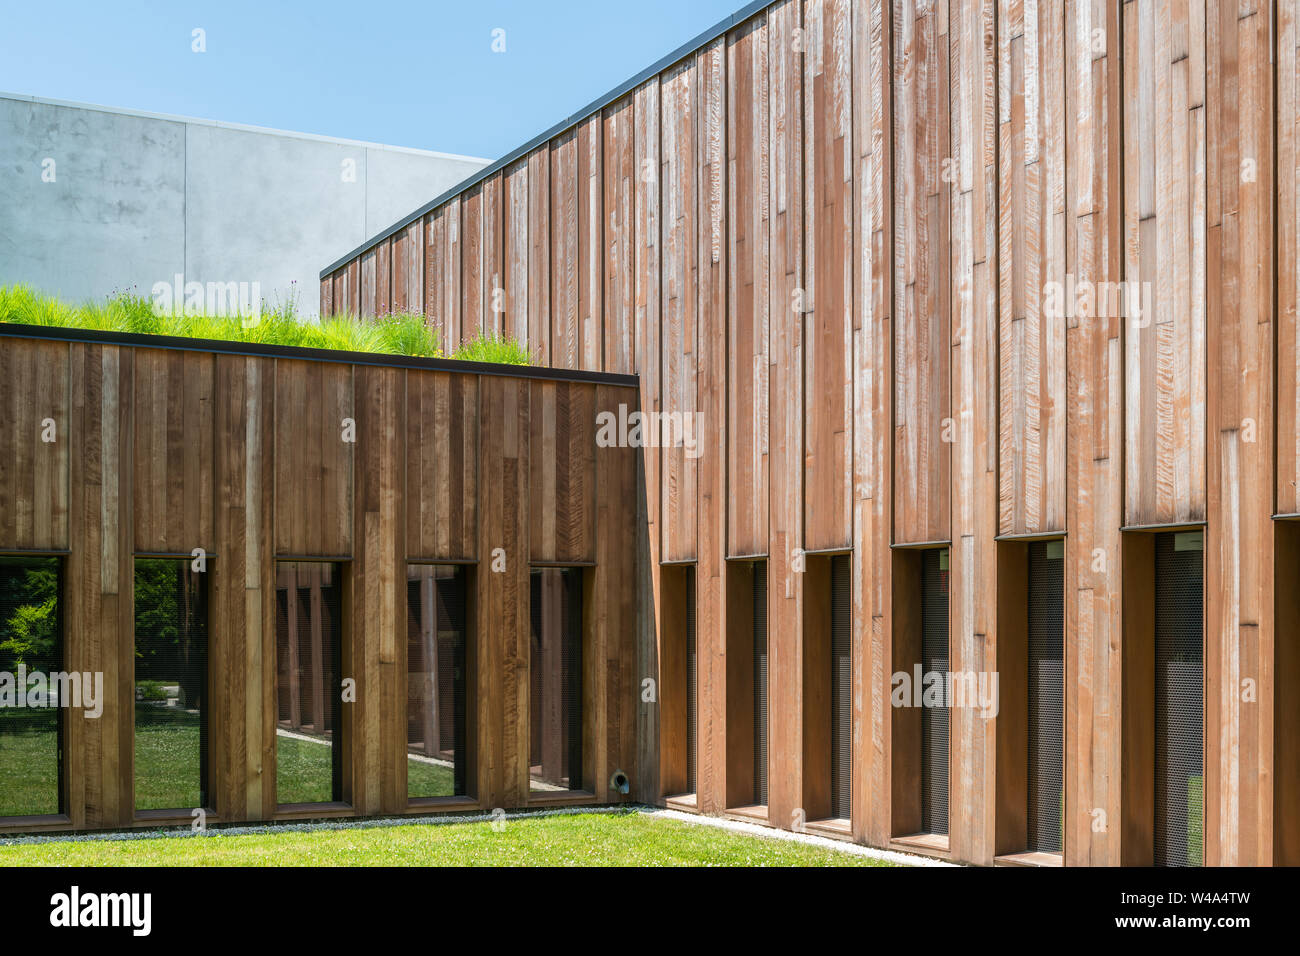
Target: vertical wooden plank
pixel 516 245
pixel 679 303
pixel 378 617
pixel 502 622
pixel 565 351
pixel 1239 566
pixel 1288 255
pixel 619 180
pixel 314 458
pixel 1032 282
pixel 1164 213
pixel 872 416
pixel 924 166
pixel 974 370
pixel 35 445
pixel 828 274
pixel 785 420
pixel 646 342
pixel 591 245
pixel 710 432
pixel 473 282
pixel 1094 441
pixel 539 255
pixel 747 288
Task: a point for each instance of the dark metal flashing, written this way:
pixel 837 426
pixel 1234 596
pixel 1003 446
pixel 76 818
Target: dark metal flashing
pixel 683 51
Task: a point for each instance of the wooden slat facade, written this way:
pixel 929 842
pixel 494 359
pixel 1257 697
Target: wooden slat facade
pixel 955 275
pixel 260 458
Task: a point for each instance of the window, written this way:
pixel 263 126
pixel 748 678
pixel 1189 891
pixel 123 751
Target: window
pixel 934 720
pixel 171 674
pixel 555 680
pixel 759 616
pixel 841 684
pixel 1046 694
pixel 31 649
pixel 692 689
pixel 309 652
pixel 437 657
pixel 1179 699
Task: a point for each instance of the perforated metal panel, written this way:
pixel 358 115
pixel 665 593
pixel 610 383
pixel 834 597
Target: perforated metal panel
pixel 841 686
pixel 1180 705
pixel 1046 695
pixel 692 686
pixel 934 720
pixel 760 682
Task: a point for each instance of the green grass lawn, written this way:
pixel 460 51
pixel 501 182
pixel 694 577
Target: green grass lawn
pixel 588 839
pixel 303 773
pixel 29 769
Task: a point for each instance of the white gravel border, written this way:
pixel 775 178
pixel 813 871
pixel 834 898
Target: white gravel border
pixel 812 839
pixel 307 826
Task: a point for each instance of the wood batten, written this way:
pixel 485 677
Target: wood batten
pixel 257 459
pixel 970 275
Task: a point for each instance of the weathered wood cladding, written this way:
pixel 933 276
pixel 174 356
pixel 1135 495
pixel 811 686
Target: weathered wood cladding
pixel 965 271
pixel 259 458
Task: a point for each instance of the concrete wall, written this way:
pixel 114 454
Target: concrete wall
pixel 136 198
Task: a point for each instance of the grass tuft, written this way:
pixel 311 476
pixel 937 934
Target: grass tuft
pixel 399 333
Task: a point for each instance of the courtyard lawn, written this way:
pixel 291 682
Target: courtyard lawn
pixel 585 839
pixel 29 767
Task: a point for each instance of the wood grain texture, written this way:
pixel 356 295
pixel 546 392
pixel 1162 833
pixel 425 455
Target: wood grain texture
pixel 1032 134
pixel 924 166
pixel 562 460
pixel 973 636
pixel 315 460
pixel 785 414
pixel 747 289
pixel 1165 250
pixel 1094 442
pixel 679 264
pixel 173 452
pixel 245 457
pixel 35 445
pixel 989 268
pixel 710 431
pixel 828 274
pixel 441 466
pixel 1239 633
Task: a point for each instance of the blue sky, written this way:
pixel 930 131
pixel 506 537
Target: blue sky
pixel 402 73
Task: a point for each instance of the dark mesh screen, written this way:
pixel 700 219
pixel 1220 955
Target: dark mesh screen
pixel 1179 701
pixel 1046 695
pixel 934 720
pixel 171 647
pixel 760 683
pixel 556 679
pixel 692 686
pixel 436 642
pixel 309 645
pixel 841 686
pixel 31 647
